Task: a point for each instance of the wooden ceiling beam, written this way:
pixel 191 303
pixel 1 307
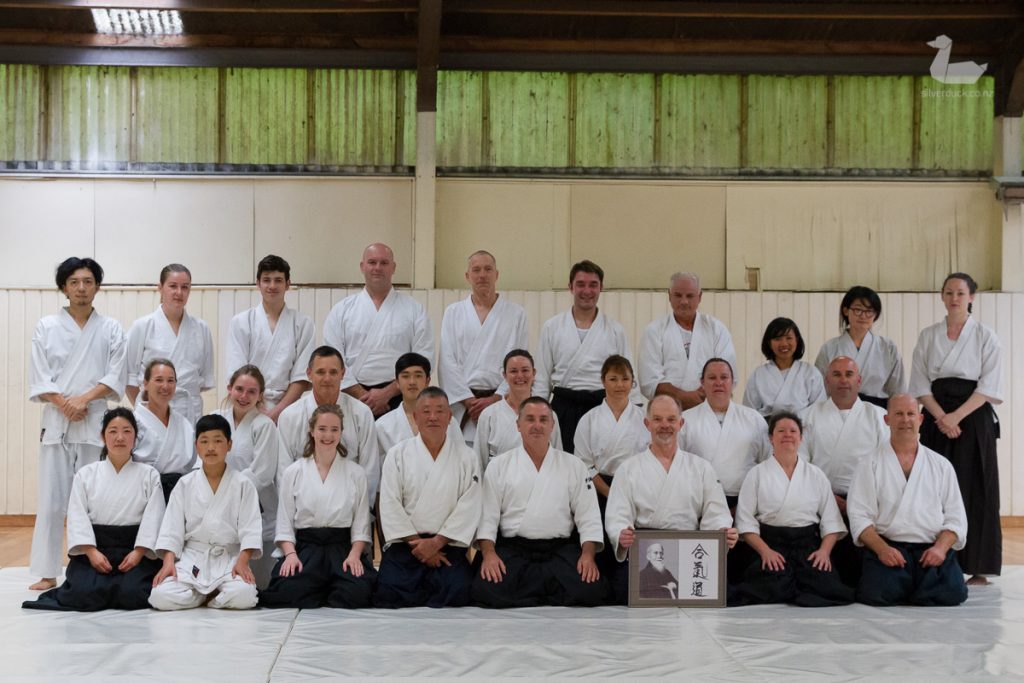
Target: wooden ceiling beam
pixel 226 6
pixel 428 52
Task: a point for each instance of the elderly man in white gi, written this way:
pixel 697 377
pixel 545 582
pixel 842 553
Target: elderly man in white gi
pixel 541 527
pixel 373 328
pixel 675 348
pixel 905 508
pixel 77 364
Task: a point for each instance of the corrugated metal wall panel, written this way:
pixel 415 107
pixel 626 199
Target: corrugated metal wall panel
pixel 90 111
pixel 614 121
pixel 874 122
pixel 956 125
pixel 527 119
pixel 20 106
pixel 176 115
pixel 787 122
pixel 265 116
pixel 355 117
pixel 699 121
pixel 745 313
pixel 460 126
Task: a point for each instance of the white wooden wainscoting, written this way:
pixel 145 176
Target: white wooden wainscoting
pixel 745 313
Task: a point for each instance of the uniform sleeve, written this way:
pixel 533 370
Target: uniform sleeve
pixel 172 528
pixel 423 335
pixel 920 382
pixel 265 444
pixel 462 522
pixel 751 394
pixel 896 382
pixel 40 373
pixel 334 333
pixel 490 507
pixel 556 434
pixel 209 380
pixel 723 345
pixel 152 516
pixel 990 383
pixel 361 511
pixel 285 526
pixel 650 370
pixel 545 362
pixel 746 506
pixel 822 360
pixel 449 369
pixel 714 511
pixel 830 520
pixel 619 514
pixel 862 500
pixel 305 343
pixel 80 532
pixel 250 525
pixel 134 351
pixel 369 451
pixel 483 435
pixel 584 449
pixel 237 353
pixel 115 374
pixel 815 385
pixel 395 522
pixel 954 516
pixel 585 511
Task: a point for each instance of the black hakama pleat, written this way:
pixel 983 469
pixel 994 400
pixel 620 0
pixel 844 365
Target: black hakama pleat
pixel 570 406
pixel 911 584
pixel 740 555
pixel 538 572
pixel 322 582
pixel 86 590
pixel 404 581
pixel 168 480
pixel 798 583
pixel 973 455
pixel 880 401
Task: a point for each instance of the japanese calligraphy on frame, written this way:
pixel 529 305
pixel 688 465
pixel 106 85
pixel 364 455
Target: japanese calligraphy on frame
pixel 677 569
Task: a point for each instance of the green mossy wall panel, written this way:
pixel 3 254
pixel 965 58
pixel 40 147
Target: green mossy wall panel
pixel 699 121
pixel 956 125
pixel 874 121
pixel 20 106
pixel 89 114
pixel 357 117
pixel 614 121
pixel 787 122
pixel 177 115
pixel 460 118
pixel 527 119
pixel 265 116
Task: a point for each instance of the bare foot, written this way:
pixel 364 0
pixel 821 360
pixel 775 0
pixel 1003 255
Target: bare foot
pixel 977 580
pixel 43 585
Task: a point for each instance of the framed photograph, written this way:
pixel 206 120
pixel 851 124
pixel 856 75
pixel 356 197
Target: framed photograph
pixel 677 569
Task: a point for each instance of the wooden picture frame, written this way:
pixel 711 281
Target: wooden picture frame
pixel 695 559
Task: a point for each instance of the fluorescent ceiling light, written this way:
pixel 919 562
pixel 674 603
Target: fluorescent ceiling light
pixel 138 22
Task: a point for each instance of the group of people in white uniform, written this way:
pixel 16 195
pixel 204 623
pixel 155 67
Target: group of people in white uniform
pixel 544 464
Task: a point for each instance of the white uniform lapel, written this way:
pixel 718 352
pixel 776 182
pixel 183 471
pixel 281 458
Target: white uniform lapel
pixel 583 351
pixel 951 362
pixel 375 335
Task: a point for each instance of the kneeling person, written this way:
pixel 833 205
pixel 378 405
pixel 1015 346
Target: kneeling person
pixel 541 527
pixel 210 531
pixel 905 506
pixel 429 510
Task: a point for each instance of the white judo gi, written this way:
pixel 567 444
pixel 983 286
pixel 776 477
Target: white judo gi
pixel 394 426
pixel 307 502
pixel 733 446
pixel 769 497
pixel 255 452
pixel 169 449
pixel 472 352
pixel 191 351
pixel 770 390
pixel 603 443
pixel 687 497
pixel 878 360
pixel 281 355
pixel 837 440
pixel 564 361
pixel 206 531
pixel 497 431
pixel 358 434
pixel 666 355
pixel 371 340
pixel 68 360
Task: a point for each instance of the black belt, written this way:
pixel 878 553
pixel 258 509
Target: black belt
pixel 579 395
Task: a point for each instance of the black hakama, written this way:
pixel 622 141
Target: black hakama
pixel 86 590
pixel 880 401
pixel 570 405
pixel 168 480
pixel 322 582
pixel 798 583
pixel 973 455
pixel 911 584
pixel 404 581
pixel 538 572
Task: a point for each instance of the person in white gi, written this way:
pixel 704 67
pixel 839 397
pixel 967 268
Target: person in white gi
pixel 878 358
pixel 783 382
pixel 905 508
pixel 255 452
pixel 475 334
pixel 429 511
pixel 326 371
pixel 497 429
pixel 113 520
pixel 957 374
pixel 274 338
pixel 211 530
pixel 540 528
pixel 373 328
pixel 675 348
pixel 77 364
pixel 170 332
pixel 614 431
pixel 166 440
pixel 788 515
pixel 573 346
pixel 663 487
pixel 412 372
pixel 839 432
pixel 730 436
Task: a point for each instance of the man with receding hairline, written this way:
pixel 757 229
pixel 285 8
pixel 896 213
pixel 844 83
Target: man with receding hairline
pixel 373 328
pixel 905 507
pixel 476 333
pixel 675 348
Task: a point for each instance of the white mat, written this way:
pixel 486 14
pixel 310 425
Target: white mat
pixel 980 640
